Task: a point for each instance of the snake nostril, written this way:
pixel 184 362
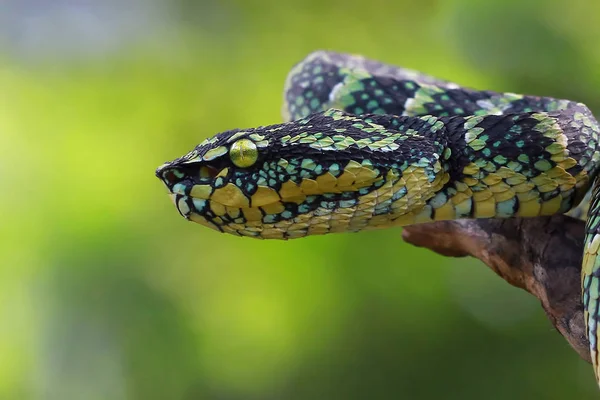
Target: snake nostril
pixel 172 176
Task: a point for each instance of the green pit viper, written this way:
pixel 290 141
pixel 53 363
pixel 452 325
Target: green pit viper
pixel 368 145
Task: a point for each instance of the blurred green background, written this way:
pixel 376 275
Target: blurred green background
pixel 107 293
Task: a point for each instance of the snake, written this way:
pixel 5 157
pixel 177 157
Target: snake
pixel 367 145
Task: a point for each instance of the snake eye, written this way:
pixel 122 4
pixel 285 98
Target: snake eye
pixel 243 153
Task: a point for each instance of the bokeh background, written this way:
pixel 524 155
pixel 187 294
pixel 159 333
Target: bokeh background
pixel 106 293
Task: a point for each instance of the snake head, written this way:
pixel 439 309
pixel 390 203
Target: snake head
pixel 329 172
pixel 218 179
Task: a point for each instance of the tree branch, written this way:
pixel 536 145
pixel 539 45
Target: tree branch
pixel 541 255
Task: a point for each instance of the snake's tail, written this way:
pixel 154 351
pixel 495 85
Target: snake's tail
pixel 590 277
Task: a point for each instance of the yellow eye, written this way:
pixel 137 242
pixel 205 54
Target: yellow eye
pixel 243 153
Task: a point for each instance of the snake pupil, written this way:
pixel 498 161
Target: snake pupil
pixel 243 153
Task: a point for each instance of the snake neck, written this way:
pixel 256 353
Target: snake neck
pixel 521 165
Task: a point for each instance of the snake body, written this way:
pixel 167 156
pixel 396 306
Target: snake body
pixel 368 145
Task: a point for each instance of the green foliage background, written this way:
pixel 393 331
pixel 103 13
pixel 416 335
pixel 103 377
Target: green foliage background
pixel 106 293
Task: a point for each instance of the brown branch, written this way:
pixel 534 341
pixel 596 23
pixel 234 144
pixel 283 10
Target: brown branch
pixel 541 255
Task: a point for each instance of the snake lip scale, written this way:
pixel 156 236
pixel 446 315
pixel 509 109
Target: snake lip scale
pixel 367 145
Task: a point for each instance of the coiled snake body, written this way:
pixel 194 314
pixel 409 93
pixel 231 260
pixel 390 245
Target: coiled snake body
pixel 370 145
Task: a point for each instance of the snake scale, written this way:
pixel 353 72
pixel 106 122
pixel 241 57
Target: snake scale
pixel 367 145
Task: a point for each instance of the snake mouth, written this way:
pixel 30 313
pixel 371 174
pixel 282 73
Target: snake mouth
pixel 205 194
pixel 274 218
